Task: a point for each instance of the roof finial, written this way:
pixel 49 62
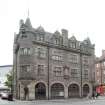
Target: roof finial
pixel 28 8
pixel 28 12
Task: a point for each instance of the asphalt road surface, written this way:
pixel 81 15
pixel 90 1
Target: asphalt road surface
pixel 99 101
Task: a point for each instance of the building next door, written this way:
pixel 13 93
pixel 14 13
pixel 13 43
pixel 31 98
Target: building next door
pixel 73 91
pixel 40 91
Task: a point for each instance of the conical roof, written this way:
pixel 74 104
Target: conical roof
pixel 28 22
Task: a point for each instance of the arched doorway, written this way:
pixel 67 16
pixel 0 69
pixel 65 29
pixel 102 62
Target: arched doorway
pixel 73 91
pixel 85 90
pixel 57 90
pixel 40 91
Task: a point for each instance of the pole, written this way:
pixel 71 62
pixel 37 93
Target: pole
pixel 48 71
pixel 16 78
pixel 101 77
pixel 101 72
pixel 81 69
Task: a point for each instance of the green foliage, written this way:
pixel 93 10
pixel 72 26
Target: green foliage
pixel 9 79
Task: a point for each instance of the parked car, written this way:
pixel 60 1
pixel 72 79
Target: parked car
pixel 4 95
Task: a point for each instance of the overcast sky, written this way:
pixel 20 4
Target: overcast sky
pixel 83 18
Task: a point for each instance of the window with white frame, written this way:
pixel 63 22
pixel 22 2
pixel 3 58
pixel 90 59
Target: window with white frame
pixel 25 51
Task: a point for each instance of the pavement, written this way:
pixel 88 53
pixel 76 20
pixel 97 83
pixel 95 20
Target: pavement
pixel 77 101
pixel 64 100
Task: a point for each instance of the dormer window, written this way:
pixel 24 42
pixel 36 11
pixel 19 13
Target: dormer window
pixel 40 38
pixel 72 45
pixel 56 41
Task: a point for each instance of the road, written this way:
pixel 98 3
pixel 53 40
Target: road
pixel 100 101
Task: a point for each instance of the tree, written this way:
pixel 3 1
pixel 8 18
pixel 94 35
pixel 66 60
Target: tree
pixel 8 82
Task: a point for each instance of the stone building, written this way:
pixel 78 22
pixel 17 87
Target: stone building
pixel 51 65
pixel 100 72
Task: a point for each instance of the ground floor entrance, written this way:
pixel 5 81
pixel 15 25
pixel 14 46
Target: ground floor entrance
pixel 57 91
pixel 85 90
pixel 73 91
pixel 40 91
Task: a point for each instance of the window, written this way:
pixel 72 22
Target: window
pixel 56 57
pixel 40 38
pixel 24 36
pixel 72 45
pixel 22 29
pixel 86 74
pixel 56 41
pixel 25 51
pixel 73 58
pixel 40 69
pixel 40 52
pixel 25 68
pixel 74 73
pixel 57 71
pixel 85 60
pixel 86 66
pixel 98 73
pixel 97 65
pixel 98 80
